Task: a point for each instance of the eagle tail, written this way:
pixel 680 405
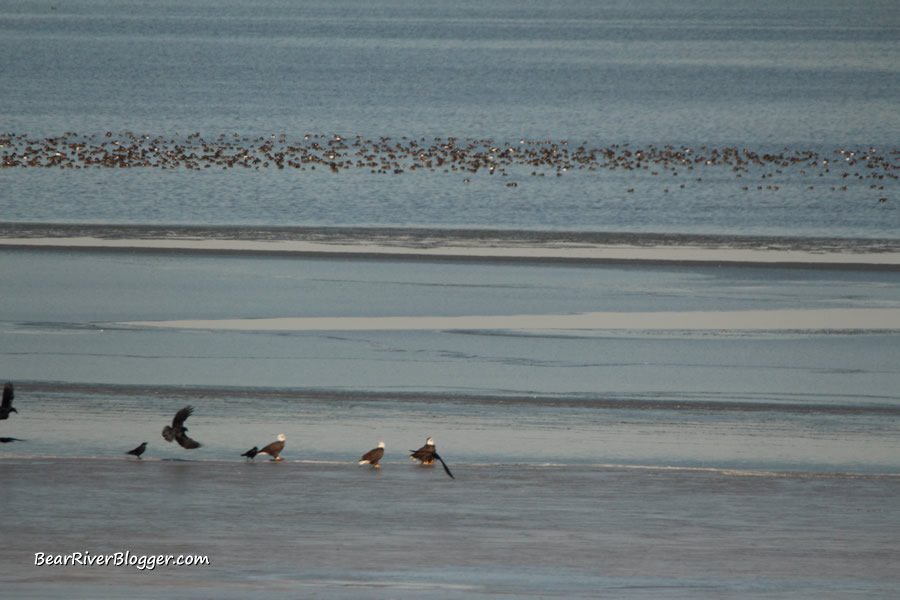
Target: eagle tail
pixel 168 434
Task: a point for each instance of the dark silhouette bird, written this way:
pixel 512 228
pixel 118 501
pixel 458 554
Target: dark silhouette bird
pixel 275 448
pixel 373 456
pixel 251 453
pixel 178 431
pixel 138 451
pixel 6 440
pixel 6 406
pixel 425 453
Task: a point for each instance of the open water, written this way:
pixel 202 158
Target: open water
pixel 674 460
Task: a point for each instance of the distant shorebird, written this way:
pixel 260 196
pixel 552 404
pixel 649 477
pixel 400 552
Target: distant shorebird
pixel 275 448
pixel 178 431
pixel 6 406
pixel 251 453
pixel 138 451
pixel 373 456
pixel 427 454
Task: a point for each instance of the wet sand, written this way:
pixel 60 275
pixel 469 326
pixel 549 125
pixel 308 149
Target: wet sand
pixel 470 246
pixel 874 319
pixel 337 531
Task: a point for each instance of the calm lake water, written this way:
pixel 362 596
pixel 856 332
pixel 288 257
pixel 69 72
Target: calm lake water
pixel 809 82
pixel 733 461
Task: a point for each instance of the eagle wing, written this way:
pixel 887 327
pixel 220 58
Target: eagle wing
pixel 273 449
pixel 423 453
pixel 372 456
pixel 446 468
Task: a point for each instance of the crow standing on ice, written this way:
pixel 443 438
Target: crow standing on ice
pixel 138 451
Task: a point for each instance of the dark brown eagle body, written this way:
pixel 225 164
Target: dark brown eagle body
pixel 373 456
pixel 428 453
pixel 275 448
pixel 425 453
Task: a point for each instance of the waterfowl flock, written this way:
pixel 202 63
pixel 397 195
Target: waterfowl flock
pixel 754 169
pixel 177 432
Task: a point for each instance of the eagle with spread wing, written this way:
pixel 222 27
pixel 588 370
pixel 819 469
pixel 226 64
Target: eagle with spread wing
pixel 427 454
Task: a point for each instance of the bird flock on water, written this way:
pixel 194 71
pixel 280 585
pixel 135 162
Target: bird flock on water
pixel 177 432
pixel 756 169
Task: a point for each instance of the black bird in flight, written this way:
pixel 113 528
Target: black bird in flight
pixel 6 407
pixel 178 431
pixel 138 451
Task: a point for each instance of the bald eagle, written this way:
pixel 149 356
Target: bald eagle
pixel 275 448
pixel 178 431
pixel 425 453
pixel 6 406
pixel 251 453
pixel 138 451
pixel 373 456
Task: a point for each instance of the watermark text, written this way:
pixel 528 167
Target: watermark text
pixel 142 562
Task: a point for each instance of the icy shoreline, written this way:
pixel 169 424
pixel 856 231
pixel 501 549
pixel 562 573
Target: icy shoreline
pixel 460 245
pixel 872 319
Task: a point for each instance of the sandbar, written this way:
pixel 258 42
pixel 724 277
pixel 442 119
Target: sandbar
pixel 483 250
pixel 831 319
